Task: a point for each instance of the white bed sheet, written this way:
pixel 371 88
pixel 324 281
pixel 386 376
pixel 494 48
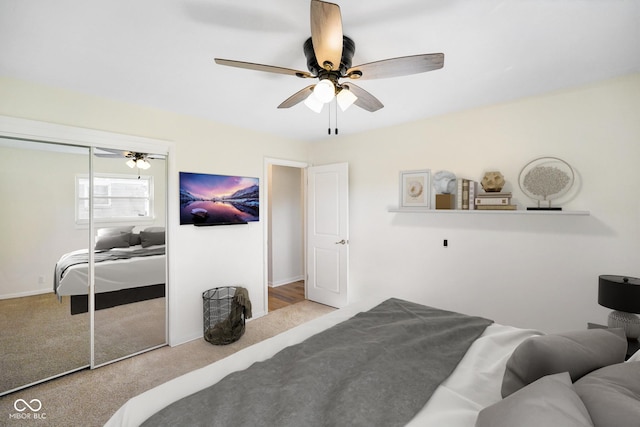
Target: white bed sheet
pixel 474 384
pixel 114 275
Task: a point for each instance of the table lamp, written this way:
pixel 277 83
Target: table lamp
pixel 622 294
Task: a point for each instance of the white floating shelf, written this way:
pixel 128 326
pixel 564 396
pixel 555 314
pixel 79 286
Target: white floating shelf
pixel 484 212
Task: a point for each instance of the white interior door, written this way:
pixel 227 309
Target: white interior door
pixel 328 234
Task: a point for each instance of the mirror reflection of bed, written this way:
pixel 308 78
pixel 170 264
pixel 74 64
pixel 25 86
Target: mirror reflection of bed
pixel 41 338
pixel 129 282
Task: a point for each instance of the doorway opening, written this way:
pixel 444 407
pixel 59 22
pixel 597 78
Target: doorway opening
pixel 285 243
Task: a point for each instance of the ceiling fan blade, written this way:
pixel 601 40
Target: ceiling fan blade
pixel 110 156
pixel 124 154
pixel 297 97
pixel 326 34
pixel 396 67
pixel 365 100
pixel 261 67
pixel 110 152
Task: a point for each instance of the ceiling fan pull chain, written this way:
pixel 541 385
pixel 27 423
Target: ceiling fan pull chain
pixel 336 106
pixel 329 119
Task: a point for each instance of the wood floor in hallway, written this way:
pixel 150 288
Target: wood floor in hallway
pixel 282 296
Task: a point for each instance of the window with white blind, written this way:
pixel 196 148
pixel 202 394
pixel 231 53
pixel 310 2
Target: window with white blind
pixel 117 198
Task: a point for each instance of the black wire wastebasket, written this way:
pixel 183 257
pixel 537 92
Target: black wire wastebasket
pixel 224 318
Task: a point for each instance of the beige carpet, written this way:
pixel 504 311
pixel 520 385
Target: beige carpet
pixel 89 398
pixel 40 338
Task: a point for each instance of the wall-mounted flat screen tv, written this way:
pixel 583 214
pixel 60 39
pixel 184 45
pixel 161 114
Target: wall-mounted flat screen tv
pixel 207 199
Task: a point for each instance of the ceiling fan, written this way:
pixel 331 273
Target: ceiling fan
pixel 329 55
pixel 135 159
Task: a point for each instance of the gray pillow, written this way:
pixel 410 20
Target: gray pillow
pixel 612 394
pixel 113 241
pixel 549 401
pixel 114 231
pixel 150 238
pixel 154 229
pixel 135 239
pixel 578 353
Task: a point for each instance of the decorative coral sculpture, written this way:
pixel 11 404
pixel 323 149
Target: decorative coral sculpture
pixel 546 179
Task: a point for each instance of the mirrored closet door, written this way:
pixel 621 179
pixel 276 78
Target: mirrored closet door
pixel 64 307
pixel 130 267
pixel 39 338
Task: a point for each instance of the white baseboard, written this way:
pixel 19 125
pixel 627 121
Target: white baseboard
pixel 27 294
pixel 199 335
pixel 276 283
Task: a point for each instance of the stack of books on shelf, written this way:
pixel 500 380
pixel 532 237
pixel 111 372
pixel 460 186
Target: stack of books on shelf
pixel 467 190
pixel 494 201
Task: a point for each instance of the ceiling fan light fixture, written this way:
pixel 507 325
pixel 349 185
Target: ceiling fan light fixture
pixel 131 163
pixel 142 163
pixel 345 99
pixel 313 103
pixel 324 91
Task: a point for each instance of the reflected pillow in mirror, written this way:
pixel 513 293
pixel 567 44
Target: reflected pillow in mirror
pixel 150 238
pixel 134 239
pixel 111 231
pixel 120 240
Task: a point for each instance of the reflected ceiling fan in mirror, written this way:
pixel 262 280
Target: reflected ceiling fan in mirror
pixel 329 54
pixel 134 159
pixel 138 160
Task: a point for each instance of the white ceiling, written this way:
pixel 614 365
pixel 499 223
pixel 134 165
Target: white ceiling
pixel 159 53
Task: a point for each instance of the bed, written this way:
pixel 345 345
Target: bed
pixel 129 267
pixel 472 394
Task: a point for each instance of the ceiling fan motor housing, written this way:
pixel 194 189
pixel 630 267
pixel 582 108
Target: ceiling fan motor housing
pixel 348 49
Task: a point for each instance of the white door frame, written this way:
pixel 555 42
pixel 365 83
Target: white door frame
pixel 264 213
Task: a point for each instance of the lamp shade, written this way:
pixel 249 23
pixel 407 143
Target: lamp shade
pixel 313 103
pixel 345 98
pixel 324 90
pixel 619 293
pixel 143 164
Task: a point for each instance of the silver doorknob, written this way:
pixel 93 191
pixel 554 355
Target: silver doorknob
pixel 341 242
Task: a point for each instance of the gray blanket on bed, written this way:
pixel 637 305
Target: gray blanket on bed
pixel 378 368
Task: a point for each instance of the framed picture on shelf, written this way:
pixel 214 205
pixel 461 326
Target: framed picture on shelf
pixel 415 189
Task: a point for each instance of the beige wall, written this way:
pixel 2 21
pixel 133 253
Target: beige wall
pixel 37 219
pixel 529 271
